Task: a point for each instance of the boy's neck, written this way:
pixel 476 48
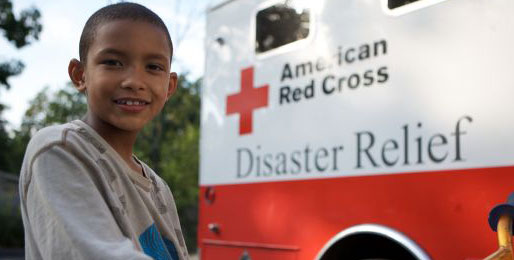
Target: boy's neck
pixel 120 140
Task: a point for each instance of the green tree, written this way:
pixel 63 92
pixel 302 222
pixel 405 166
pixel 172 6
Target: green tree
pixel 65 105
pixel 20 30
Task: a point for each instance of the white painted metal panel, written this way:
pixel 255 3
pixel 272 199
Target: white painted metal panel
pixel 445 61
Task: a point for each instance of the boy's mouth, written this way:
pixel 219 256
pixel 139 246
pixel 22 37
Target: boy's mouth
pixel 130 102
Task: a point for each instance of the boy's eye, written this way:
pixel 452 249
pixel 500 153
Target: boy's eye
pixel 112 63
pixel 155 67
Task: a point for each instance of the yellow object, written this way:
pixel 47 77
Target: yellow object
pixel 504 231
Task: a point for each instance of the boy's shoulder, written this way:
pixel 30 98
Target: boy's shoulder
pixel 50 135
pixel 70 134
pixel 45 139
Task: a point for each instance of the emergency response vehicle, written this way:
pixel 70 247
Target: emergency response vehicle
pixel 355 129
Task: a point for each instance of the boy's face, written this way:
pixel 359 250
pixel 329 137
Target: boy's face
pixel 127 76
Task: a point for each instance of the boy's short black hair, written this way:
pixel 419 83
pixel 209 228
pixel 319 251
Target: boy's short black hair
pixel 114 12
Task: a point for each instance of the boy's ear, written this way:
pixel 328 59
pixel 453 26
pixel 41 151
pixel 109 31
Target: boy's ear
pixel 172 85
pixel 76 73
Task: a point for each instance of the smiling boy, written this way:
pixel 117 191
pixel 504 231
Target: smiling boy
pixel 84 194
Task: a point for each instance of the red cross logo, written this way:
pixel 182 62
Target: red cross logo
pixel 244 102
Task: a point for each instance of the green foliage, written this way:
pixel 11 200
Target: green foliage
pixel 64 106
pixel 19 31
pixel 8 69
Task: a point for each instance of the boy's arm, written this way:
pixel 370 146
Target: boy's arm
pixel 66 213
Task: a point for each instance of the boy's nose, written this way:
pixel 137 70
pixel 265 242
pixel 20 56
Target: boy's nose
pixel 134 80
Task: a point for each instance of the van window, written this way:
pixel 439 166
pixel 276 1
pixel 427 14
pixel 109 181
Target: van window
pixel 279 25
pixel 397 3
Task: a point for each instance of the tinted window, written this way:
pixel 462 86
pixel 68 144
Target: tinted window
pixel 397 3
pixel 279 25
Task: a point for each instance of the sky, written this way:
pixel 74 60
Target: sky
pixel 46 61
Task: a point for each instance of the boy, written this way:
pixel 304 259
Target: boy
pixel 84 194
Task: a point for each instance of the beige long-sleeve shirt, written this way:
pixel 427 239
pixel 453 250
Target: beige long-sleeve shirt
pixel 80 200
